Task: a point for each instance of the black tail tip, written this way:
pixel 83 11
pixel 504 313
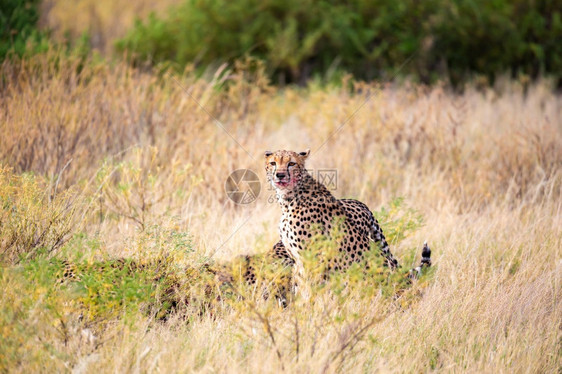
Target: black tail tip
pixel 415 273
pixel 426 255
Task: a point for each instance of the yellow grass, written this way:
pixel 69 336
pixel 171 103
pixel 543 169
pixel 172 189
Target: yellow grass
pixel 484 168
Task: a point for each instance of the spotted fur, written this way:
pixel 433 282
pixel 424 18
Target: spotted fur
pixel 309 208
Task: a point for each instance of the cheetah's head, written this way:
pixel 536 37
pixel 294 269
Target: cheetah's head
pixel 285 169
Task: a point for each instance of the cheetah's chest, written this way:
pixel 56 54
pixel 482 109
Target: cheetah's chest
pixel 299 224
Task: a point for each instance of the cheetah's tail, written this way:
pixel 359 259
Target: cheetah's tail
pixel 425 261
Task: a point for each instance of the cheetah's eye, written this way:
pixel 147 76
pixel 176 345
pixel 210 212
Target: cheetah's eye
pixel 272 163
pixel 292 163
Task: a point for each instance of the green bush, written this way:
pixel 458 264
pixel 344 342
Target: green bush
pixel 18 27
pixel 433 39
pixel 488 37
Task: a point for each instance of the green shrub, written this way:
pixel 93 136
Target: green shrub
pixel 488 37
pixel 18 27
pixel 433 39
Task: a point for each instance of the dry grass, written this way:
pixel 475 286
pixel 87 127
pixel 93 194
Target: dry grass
pixel 484 169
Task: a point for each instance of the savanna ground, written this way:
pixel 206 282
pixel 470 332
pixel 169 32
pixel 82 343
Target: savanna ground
pixel 101 161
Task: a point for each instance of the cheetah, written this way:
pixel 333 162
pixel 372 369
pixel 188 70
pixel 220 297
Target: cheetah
pixel 309 208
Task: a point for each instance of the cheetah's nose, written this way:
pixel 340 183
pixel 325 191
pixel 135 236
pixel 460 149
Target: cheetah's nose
pixel 280 175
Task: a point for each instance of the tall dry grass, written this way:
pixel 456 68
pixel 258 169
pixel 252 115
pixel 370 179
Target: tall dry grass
pixel 151 152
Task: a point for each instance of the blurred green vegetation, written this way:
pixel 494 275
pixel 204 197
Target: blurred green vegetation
pixel 19 32
pixel 451 40
pixel 430 40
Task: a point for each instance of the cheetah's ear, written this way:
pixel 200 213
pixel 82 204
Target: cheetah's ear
pixel 305 153
pixel 268 153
